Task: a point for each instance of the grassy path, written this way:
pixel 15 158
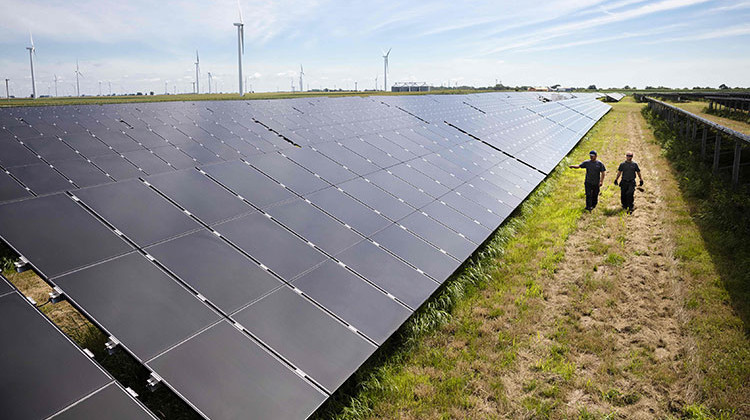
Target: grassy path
pixel 585 315
pixel 697 107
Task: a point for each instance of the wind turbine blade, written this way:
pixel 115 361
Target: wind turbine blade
pixel 389 52
pixel 239 8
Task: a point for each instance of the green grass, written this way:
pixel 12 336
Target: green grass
pixel 714 257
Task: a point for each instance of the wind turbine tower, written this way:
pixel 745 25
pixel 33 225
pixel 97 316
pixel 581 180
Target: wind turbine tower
pixel 240 44
pixel 55 85
pixel 385 69
pixel 32 53
pixel 209 82
pixel 301 74
pixel 197 73
pixel 78 85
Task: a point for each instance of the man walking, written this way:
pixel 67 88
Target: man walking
pixel 628 171
pixel 595 171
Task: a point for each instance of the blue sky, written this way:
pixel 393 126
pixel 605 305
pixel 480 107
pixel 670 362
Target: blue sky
pixel 138 45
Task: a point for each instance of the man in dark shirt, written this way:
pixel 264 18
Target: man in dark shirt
pixel 628 171
pixel 595 171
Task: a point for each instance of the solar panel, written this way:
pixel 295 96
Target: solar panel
pixel 249 183
pixel 389 273
pixel 200 196
pixel 10 189
pixel 224 374
pixel 121 204
pixel 15 154
pixel 348 210
pixel 223 275
pixel 306 336
pixel 423 256
pixel 138 303
pixel 315 226
pixel 41 178
pixel 334 287
pixel 57 235
pixel 376 198
pixel 281 251
pixel 287 173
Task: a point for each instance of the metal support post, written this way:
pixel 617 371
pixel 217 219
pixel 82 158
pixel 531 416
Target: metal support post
pixel 717 150
pixel 736 163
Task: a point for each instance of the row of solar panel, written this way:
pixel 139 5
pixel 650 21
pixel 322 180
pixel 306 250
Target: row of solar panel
pixel 48 158
pixel 300 264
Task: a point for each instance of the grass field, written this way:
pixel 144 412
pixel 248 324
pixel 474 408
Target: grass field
pixel 699 108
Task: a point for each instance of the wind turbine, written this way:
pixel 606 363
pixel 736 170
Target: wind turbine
pixel 209 82
pixel 376 82
pixel 301 74
pixel 240 44
pixel 78 85
pixel 385 69
pixel 7 89
pixel 32 54
pixel 197 73
pixel 55 85
pixel 292 84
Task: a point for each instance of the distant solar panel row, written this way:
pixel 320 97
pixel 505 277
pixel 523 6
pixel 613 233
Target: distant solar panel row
pixel 255 254
pixel 45 375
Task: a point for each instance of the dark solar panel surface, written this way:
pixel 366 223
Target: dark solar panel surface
pixel 261 274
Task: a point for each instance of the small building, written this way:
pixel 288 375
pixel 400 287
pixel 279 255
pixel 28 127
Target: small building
pixel 410 87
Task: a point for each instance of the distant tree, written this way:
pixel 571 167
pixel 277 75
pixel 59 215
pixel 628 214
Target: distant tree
pixel 649 87
pixel 723 86
pixel 626 87
pixel 592 87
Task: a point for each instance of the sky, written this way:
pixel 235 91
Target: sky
pixel 139 45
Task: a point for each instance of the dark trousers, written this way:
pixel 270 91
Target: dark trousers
pixel 592 194
pixel 627 189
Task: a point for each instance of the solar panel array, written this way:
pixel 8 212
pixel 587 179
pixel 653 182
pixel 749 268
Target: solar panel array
pixel 45 375
pixel 254 254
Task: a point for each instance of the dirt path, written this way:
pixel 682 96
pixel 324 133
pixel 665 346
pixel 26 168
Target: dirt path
pixel 617 298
